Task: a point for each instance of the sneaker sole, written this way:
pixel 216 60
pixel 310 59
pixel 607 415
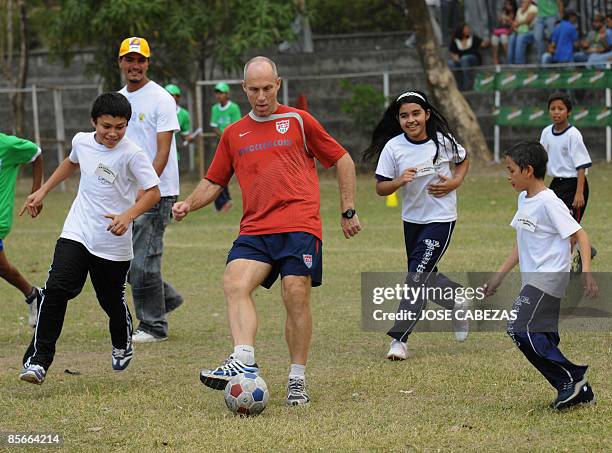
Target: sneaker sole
pixel 215 383
pixel 395 358
pixel 154 340
pixel 30 378
pixel 295 403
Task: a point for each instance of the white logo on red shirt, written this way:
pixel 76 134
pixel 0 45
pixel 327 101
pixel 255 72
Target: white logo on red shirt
pixel 282 126
pixel 242 134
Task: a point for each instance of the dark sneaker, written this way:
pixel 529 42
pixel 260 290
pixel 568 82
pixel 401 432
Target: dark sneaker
pixel 122 358
pixel 34 374
pixel 33 301
pixel 572 393
pixel 296 392
pixel 219 377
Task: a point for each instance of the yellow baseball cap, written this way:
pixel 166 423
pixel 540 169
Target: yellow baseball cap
pixel 135 44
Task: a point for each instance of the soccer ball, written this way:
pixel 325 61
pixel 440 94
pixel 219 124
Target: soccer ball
pixel 246 394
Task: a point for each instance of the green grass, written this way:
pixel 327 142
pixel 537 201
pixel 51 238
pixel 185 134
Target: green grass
pixel 479 395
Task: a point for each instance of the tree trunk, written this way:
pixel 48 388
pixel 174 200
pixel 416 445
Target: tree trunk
pixel 441 82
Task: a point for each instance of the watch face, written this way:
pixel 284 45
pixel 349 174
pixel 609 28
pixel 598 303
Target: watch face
pixel 348 214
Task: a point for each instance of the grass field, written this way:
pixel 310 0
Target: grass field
pixel 481 395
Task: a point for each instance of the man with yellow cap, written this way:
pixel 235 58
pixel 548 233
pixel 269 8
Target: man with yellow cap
pixel 222 114
pixel 152 127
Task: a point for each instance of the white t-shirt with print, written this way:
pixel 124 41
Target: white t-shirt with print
pixel 418 206
pixel 566 152
pixel 110 179
pixel 543 228
pixel 153 111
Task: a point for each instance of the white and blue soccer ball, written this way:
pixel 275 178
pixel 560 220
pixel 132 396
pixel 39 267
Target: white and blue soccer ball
pixel 246 394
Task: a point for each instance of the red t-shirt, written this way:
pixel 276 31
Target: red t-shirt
pixel 273 158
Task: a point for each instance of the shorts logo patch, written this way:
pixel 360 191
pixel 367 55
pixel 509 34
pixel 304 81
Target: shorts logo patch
pixel 307 260
pixel 282 126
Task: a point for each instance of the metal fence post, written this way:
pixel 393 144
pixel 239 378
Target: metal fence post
pixel 200 122
pixel 496 129
pixel 286 91
pixel 59 129
pixel 386 88
pixel 608 128
pixel 35 115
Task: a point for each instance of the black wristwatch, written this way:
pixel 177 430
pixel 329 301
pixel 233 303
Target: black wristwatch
pixel 349 213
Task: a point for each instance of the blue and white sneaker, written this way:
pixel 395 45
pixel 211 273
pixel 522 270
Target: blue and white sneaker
pixel 573 393
pixel 296 392
pixel 122 358
pixel 219 377
pixel 35 374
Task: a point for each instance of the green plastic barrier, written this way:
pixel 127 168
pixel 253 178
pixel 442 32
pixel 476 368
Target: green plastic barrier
pixel 538 117
pixel 488 81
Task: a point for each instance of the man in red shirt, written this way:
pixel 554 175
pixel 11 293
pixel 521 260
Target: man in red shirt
pixel 272 151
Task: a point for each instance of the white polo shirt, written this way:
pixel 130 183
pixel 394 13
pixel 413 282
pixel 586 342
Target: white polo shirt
pixel 418 206
pixel 566 152
pixel 153 111
pixel 543 227
pixel 110 179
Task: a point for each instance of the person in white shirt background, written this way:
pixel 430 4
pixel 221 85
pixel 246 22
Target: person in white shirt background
pixel 152 127
pixel 97 235
pixel 543 227
pixel 415 148
pixel 568 161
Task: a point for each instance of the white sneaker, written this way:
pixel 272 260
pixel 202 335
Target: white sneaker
pixel 398 350
pixel 140 336
pixel 461 326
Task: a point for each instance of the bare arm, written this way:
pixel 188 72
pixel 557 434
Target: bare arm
pixel 217 132
pixel 121 222
pixel 447 185
pixel 205 193
pixel 33 203
pixel 384 188
pixel 37 173
pixel 579 197
pixel 561 8
pixel 346 183
pixel 584 245
pixel 164 140
pixel 496 280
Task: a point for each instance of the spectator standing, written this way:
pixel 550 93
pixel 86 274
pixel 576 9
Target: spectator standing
pixel 549 12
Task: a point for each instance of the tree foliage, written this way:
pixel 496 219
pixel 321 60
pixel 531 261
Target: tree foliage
pixel 184 35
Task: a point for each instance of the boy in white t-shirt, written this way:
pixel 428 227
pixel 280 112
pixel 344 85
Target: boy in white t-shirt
pixel 568 160
pixel 97 234
pixel 544 227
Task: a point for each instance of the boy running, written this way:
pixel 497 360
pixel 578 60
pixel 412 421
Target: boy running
pixel 97 234
pixel 544 228
pixel 14 152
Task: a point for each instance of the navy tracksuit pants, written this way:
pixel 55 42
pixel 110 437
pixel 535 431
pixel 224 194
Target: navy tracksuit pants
pixel 425 246
pixel 535 332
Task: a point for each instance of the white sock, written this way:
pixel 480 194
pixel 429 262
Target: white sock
pixel 297 371
pixel 245 353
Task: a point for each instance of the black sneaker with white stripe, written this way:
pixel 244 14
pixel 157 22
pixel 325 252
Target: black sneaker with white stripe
pixel 573 393
pixel 219 377
pixel 296 392
pixel 122 357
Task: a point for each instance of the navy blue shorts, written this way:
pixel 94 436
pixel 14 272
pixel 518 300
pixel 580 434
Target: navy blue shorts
pixel 1 245
pixel 289 254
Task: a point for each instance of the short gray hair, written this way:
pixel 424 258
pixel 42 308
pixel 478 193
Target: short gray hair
pixel 257 59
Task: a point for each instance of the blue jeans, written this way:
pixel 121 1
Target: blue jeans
pixel 541 24
pixel 599 60
pixel 517 47
pixel 153 297
pixel 461 70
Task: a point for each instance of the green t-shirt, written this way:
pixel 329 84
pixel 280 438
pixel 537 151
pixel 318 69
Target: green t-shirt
pixel 222 117
pixel 184 122
pixel 14 151
pixel 548 8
